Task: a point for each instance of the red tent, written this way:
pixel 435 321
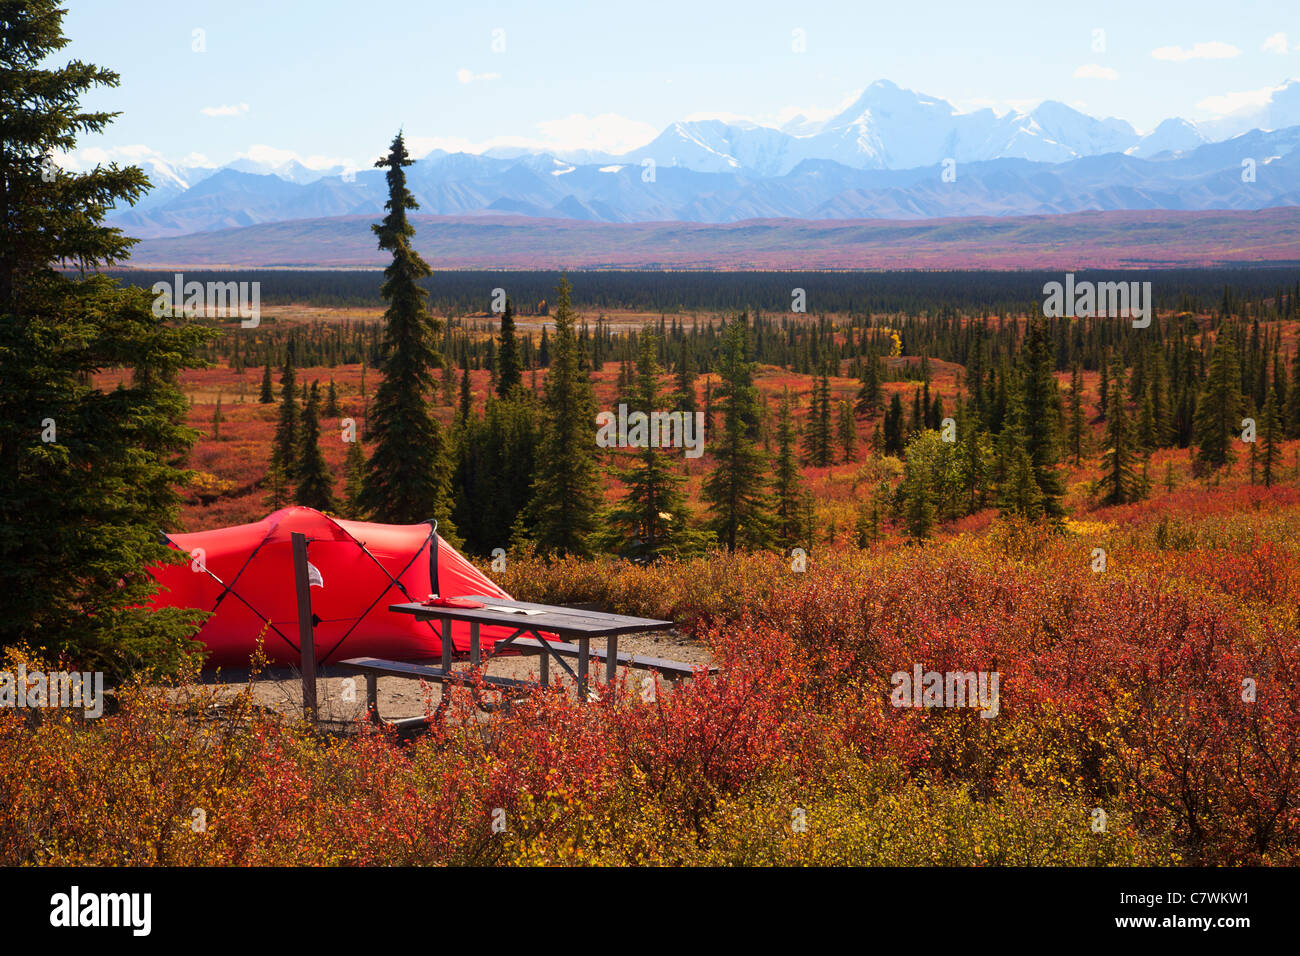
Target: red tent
pixel 245 576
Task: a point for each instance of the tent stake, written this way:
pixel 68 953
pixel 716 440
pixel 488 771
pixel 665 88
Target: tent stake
pixel 306 640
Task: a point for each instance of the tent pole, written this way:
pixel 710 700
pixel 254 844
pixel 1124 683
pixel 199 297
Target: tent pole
pixel 306 640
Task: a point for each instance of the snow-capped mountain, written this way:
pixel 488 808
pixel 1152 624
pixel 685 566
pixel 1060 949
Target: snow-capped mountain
pixel 888 127
pixel 878 157
pixel 1171 136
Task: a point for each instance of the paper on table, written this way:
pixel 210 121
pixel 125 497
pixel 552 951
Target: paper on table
pixel 511 610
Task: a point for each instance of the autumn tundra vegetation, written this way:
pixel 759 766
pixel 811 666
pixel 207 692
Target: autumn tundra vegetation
pixel 1103 516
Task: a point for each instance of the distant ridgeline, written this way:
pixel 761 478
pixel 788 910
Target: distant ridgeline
pixel 459 293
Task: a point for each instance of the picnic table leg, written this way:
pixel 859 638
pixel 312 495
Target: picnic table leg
pixel 473 645
pixel 611 659
pixel 584 648
pixel 546 665
pixel 444 633
pixel 372 697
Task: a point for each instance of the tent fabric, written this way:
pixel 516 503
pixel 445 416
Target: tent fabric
pixel 244 575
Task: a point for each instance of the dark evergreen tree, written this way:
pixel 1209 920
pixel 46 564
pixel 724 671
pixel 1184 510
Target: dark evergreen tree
pixel 736 488
pixel 466 403
pixel 447 382
pixel 916 424
pixel 870 393
pixel 354 481
pixel 1019 493
pixel 787 488
pixel 817 436
pixel 267 396
pixel 1119 483
pixel 847 432
pixel 651 520
pixel 1293 398
pixel 1077 426
pixel 893 426
pixel 1270 437
pixel 972 466
pixel 566 493
pixel 284 447
pixel 1041 416
pixel 332 401
pixel 315 483
pixel 685 397
pixel 88 475
pixel 510 370
pixel 408 476
pixel 1218 409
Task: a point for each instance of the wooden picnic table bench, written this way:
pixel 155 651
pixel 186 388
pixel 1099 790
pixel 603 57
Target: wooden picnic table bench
pixel 529 622
pixel 373 668
pixel 526 619
pixel 673 670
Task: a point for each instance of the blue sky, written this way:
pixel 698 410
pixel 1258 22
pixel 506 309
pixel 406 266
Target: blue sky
pixel 328 81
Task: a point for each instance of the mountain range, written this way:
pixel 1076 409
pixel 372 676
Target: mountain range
pixel 885 156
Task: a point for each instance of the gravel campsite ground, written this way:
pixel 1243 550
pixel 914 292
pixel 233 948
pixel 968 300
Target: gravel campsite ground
pixel 400 697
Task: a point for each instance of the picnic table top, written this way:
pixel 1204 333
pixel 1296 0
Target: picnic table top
pixel 537 617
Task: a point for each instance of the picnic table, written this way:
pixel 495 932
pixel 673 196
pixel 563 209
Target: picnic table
pixel 535 628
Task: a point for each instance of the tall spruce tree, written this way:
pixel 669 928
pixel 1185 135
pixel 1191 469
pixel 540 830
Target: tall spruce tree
pixel 893 426
pixel 1270 436
pixel 847 431
pixel 284 447
pixel 88 475
pixel 685 397
pixel 650 522
pixel 408 475
pixel 566 493
pixel 817 435
pixel 1119 483
pixel 315 482
pixel 266 396
pixel 510 369
pixel 787 488
pixel 1293 398
pixel 1218 408
pixel 870 394
pixel 354 469
pixel 736 488
pixel 1041 416
pixel 1077 424
pixel 974 451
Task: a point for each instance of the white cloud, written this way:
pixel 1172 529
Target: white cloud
pixel 1091 71
pixel 1275 44
pixel 1232 102
pixel 469 76
pixel 232 110
pixel 1213 50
